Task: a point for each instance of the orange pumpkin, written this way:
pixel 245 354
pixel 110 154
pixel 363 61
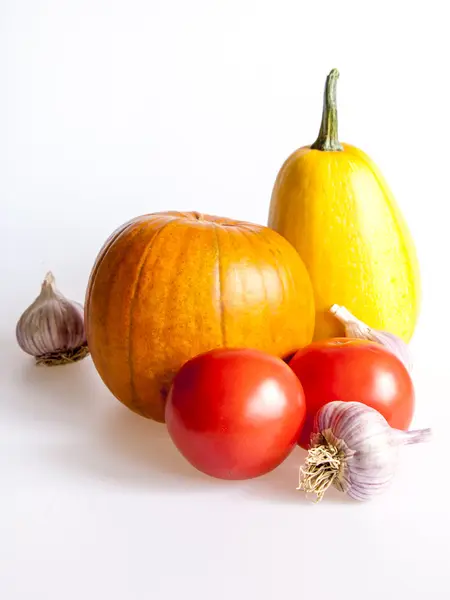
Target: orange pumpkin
pixel 168 286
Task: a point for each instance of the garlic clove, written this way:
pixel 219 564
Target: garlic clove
pixel 355 328
pixel 52 328
pixel 354 449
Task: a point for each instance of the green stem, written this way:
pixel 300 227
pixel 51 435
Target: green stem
pixel 328 135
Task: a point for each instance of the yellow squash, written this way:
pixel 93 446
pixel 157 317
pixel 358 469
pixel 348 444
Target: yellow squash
pixel 332 203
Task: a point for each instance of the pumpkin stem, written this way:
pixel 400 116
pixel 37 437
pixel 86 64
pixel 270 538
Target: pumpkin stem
pixel 328 135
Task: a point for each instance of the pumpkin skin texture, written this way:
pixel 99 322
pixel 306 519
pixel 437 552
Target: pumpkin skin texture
pixel 336 209
pixel 169 286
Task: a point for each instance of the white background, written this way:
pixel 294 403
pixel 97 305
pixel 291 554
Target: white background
pixel 110 109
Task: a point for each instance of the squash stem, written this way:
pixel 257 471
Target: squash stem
pixel 328 135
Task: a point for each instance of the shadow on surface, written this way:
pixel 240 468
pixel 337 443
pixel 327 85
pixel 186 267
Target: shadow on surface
pixel 134 451
pixel 280 485
pixel 92 435
pixel 63 395
pixel 88 431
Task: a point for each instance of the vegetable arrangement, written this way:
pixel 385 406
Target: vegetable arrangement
pixel 169 286
pixel 230 332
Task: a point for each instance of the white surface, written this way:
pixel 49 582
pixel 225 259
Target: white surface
pixel 111 109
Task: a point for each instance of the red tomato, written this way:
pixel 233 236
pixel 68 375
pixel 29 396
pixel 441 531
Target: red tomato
pixel 235 414
pixel 353 370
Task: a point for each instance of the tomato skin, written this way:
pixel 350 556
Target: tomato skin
pixel 353 370
pixel 235 413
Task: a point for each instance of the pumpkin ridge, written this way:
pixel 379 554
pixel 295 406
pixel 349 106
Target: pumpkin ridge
pixel 278 272
pixel 167 314
pixel 140 269
pixel 135 227
pixel 250 235
pixel 278 262
pixel 113 238
pixel 219 277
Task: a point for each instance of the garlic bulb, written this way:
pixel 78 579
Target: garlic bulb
pixel 354 449
pixel 355 328
pixel 52 328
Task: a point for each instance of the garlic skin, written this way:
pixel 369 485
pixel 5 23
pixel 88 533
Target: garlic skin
pixel 52 328
pixel 354 449
pixel 354 328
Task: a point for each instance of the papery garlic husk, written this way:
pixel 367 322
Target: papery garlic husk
pixel 52 327
pixel 355 328
pixel 354 449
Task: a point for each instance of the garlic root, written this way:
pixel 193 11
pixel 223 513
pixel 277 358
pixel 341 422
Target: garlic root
pixel 63 358
pixel 322 466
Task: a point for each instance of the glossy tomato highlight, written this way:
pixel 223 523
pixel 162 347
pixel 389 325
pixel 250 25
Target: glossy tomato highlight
pixel 235 413
pixel 353 370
